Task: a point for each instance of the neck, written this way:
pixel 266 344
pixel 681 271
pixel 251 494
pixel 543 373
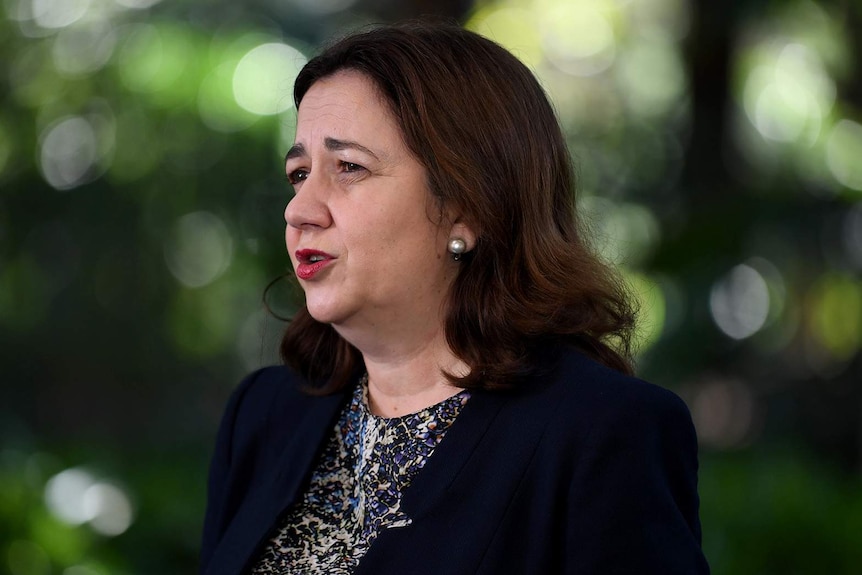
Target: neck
pixel 396 390
pixel 407 375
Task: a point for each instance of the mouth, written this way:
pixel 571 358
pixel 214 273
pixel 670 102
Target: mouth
pixel 310 262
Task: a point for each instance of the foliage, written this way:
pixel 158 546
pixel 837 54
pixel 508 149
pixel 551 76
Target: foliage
pixel 778 513
pixel 141 201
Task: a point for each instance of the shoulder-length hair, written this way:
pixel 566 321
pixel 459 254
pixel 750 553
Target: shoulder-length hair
pixel 483 128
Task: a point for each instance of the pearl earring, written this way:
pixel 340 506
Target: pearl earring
pixel 457 246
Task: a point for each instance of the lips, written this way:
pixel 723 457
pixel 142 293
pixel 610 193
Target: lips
pixel 310 262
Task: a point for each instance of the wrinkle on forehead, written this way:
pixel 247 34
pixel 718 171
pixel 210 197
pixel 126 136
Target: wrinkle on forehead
pixel 337 107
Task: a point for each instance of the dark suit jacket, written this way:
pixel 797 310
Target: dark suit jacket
pixel 586 471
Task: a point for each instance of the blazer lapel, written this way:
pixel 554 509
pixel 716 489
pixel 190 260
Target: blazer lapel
pixel 261 509
pixel 463 438
pixel 444 465
pixel 434 479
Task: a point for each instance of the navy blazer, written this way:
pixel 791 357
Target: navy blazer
pixel 586 471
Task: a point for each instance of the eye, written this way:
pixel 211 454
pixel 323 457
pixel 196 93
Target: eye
pixel 351 167
pixel 297 176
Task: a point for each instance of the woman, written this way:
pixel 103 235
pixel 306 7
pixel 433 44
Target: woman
pixel 457 396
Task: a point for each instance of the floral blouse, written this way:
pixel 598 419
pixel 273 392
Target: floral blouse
pixel 355 490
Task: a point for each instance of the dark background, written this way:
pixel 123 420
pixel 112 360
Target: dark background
pixel 719 151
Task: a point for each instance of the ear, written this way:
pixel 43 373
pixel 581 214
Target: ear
pixel 461 229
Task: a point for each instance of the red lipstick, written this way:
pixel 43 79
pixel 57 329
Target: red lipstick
pixel 310 262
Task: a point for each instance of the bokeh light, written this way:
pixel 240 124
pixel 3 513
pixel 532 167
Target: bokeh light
pixel 625 234
pixel 69 153
pixel 76 496
pixel 517 29
pixel 263 79
pixel 724 412
pixel 658 92
pixel 836 310
pixel 578 37
pixel 137 4
pixel 64 495
pixel 85 48
pixel 59 13
pixel 740 302
pixel 199 249
pixel 843 153
pixel 156 59
pixel 788 96
pixel 108 508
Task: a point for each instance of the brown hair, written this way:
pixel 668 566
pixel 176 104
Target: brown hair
pixel 482 126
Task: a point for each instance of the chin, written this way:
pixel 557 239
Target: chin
pixel 319 315
pixel 325 312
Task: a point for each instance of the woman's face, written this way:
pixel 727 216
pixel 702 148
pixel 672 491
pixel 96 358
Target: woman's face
pixel 359 230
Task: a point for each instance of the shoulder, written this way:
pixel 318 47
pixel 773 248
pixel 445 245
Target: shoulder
pixel 628 452
pixel 269 405
pixel 260 394
pixel 591 399
pixel 266 389
pixel 610 391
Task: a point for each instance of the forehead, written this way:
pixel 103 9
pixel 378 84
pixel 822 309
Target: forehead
pixel 346 102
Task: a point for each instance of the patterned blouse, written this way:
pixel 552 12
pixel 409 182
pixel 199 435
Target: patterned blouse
pixel 355 490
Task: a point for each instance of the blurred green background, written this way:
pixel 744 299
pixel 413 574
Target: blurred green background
pixel 719 151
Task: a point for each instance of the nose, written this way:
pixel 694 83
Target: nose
pixel 308 208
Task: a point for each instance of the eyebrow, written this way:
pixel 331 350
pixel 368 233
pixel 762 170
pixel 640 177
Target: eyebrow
pixel 331 144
